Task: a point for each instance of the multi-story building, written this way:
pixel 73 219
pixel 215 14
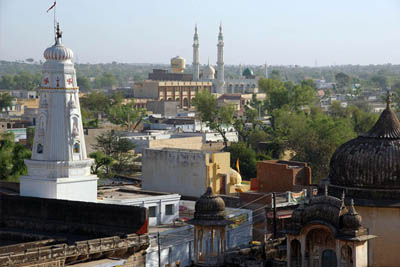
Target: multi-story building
pixel 181 91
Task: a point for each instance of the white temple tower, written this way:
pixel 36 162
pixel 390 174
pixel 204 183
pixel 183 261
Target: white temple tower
pixel 220 86
pixel 196 57
pixel 59 167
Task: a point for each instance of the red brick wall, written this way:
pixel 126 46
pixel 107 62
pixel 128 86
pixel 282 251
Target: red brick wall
pixel 276 176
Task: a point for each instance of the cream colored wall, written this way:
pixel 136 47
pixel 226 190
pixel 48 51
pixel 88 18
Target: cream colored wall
pixel 219 165
pixel 384 223
pixel 195 142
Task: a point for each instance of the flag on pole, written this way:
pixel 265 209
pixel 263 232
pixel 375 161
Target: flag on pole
pixel 237 165
pixel 50 8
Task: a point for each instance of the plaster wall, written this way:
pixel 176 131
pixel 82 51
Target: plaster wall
pixel 384 223
pixel 175 171
pixel 78 189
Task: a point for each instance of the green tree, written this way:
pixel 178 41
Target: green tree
pixel 118 147
pixel 7 82
pixel 247 159
pixel 217 118
pixel 127 116
pixel 12 158
pixel 6 101
pixel 342 80
pixel 84 83
pixel 102 163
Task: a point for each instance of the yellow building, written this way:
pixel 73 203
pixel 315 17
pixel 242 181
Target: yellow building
pixel 181 91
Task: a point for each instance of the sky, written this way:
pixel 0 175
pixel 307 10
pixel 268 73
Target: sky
pixel 284 32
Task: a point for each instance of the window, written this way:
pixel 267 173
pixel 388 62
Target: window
pixel 152 211
pixel 76 148
pixel 39 149
pixel 169 209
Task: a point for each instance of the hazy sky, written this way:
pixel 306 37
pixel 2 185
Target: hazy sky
pixel 152 31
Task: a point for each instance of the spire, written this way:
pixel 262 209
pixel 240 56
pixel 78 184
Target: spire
pixel 388 99
pixel 196 36
pixel 220 36
pixel 58 34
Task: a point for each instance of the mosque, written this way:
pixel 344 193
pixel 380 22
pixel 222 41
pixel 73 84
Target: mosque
pixel 247 83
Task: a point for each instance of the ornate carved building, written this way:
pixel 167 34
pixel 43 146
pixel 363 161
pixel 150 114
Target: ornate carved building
pixel 367 169
pixel 327 233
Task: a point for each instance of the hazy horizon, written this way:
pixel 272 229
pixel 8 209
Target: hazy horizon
pixel 309 33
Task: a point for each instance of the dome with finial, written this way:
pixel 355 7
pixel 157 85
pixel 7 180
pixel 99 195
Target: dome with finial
pixel 58 51
pixel 210 210
pixel 209 72
pixel 372 160
pixel 247 72
pixel 352 220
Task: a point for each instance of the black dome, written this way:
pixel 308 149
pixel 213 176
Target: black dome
pixel 372 160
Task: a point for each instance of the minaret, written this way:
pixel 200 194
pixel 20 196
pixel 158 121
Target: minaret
pixel 266 70
pixel 220 63
pixel 240 71
pixel 59 167
pixel 196 58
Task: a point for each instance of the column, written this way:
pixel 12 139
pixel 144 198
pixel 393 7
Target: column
pixel 289 251
pixel 303 250
pixel 196 244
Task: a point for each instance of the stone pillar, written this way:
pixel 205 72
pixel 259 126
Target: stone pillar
pixel 303 250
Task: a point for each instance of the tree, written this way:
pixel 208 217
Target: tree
pixel 342 80
pixel 380 81
pixel 84 83
pixel 106 81
pixel 94 105
pixel 116 146
pixel 217 118
pixel 7 82
pixel 102 163
pixel 127 116
pixel 12 158
pixel 6 101
pixel 247 159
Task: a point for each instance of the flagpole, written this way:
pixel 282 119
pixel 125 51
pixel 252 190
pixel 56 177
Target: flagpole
pixel 55 37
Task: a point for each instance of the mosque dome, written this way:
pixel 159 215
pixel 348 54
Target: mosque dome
pixel 248 72
pixel 209 72
pixel 178 64
pixel 372 160
pixel 209 210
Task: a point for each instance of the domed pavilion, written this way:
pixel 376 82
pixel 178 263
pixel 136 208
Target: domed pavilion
pixel 209 230
pixel 367 169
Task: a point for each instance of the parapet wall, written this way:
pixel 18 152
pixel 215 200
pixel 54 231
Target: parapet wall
pixel 73 217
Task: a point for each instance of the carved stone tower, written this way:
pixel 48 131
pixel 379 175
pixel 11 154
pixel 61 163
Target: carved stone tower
pixel 220 63
pixel 59 167
pixel 196 58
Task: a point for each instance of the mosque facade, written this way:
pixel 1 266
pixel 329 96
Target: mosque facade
pixel 246 83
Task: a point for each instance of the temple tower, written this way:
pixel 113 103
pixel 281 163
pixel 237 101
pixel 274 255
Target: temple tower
pixel 196 56
pixel 220 87
pixel 59 167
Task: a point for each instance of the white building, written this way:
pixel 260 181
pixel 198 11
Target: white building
pixel 59 167
pixel 163 207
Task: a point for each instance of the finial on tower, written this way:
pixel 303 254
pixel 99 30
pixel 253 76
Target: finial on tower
pixel 220 26
pixel 195 28
pixel 58 33
pixel 388 99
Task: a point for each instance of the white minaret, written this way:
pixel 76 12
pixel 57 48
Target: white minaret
pixel 196 57
pixel 220 88
pixel 59 167
pixel 266 70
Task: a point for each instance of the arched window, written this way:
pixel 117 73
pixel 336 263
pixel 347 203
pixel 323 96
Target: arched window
pixel 77 147
pixel 185 102
pixel 346 256
pixel 39 149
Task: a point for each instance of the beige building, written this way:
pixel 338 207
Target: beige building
pixel 181 91
pixel 188 172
